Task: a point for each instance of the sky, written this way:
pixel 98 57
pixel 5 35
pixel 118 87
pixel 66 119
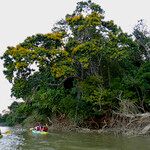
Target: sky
pixel 22 18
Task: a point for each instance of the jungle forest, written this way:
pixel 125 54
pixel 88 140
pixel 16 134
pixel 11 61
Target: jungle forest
pixel 86 70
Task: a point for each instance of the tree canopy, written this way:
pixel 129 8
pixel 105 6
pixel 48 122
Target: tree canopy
pixel 104 61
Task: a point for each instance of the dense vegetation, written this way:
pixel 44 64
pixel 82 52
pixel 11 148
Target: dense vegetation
pixel 83 69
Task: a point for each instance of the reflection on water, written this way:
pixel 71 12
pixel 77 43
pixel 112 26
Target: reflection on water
pixel 25 140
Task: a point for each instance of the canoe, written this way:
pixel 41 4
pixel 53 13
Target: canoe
pixel 1 136
pixel 39 132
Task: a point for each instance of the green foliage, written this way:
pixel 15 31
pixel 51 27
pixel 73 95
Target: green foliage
pixel 18 112
pixel 106 63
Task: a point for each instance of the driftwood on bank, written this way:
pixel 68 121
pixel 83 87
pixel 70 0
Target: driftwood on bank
pixel 143 115
pixel 128 119
pixel 131 123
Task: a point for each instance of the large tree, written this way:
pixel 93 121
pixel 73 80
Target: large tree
pixel 99 60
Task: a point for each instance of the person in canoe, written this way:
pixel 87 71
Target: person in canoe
pixel 39 127
pixel 44 128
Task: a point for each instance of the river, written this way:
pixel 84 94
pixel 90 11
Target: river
pixel 23 139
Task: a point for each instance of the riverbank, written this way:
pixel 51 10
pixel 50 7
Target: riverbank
pixel 117 124
pixel 127 120
pixel 131 124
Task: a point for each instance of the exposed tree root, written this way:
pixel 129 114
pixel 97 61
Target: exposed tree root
pixel 128 120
